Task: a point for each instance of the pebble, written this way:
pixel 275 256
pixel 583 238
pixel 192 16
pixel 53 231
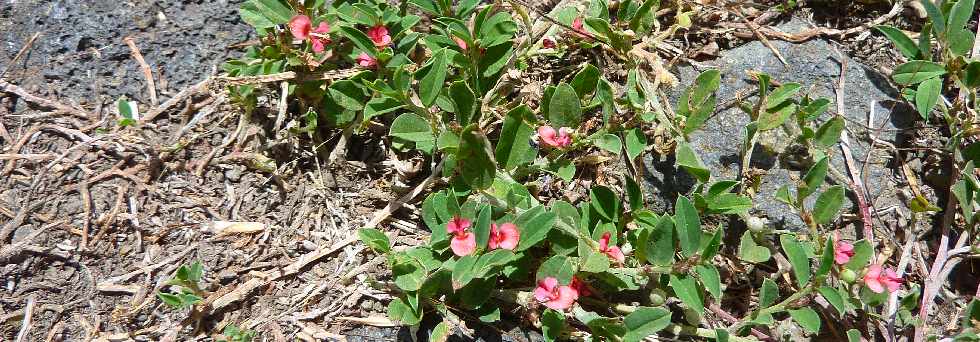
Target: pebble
pixel 309 245
pixel 233 174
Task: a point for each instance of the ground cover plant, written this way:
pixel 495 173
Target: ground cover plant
pixel 605 267
pixel 519 133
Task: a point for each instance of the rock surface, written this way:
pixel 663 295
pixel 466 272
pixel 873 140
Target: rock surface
pixel 80 52
pixel 816 65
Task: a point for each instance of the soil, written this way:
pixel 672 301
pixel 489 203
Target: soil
pixel 95 219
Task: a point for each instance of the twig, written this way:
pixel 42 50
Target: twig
pixel 242 120
pixel 27 45
pixel 383 214
pixel 933 281
pixel 246 288
pixel 25 326
pixel 289 75
pixel 180 97
pixel 17 220
pixel 731 319
pixel 9 251
pixel 147 71
pixel 145 269
pixel 87 221
pixel 762 38
pixel 857 187
pixel 43 102
pixel 805 35
pixel 28 156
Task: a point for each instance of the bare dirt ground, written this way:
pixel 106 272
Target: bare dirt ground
pixel 95 219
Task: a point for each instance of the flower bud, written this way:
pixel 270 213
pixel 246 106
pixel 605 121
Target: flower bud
pixel 755 224
pixel 657 297
pixel 848 276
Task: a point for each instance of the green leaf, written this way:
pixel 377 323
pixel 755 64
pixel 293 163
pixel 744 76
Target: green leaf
pixel 711 248
pixel 636 142
pixel 408 273
pixel 853 335
pixel 813 179
pixel 827 259
pixel 513 148
pixel 374 239
pixel 828 204
pixel 774 117
pixel 560 267
pixel 605 93
pixel 935 17
pixel 971 76
pixel 360 40
pixel 833 297
pixel 475 161
pixel 806 318
pixel 768 293
pixel 782 94
pixel 413 128
pixel 815 108
pixel 660 243
pixel 688 226
pixel 465 101
pixel 464 271
pixel 400 311
pixel 959 15
pixel 927 95
pixel 481 228
pixel 710 279
pixel 605 202
pixel 171 300
pixel 687 290
pixel 729 203
pixel 863 251
pixel 917 71
pixel 552 324
pixel 265 13
pixel 634 193
pixel 534 226
pixel 565 108
pixel 750 251
pixel 782 194
pixel 347 94
pixel 697 104
pixel 689 160
pixel 645 321
pixel 828 133
pixel 609 142
pixel 586 80
pixel 440 333
pixel 641 13
pixel 902 42
pixel 431 83
pixel 797 257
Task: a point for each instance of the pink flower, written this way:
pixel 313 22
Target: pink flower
pixel 463 243
pixel 613 252
pixel 548 43
pixel 555 296
pixel 379 35
pixel 366 61
pixel 877 279
pixel 579 28
pixel 300 26
pixel 843 251
pixel 460 42
pixel 580 286
pixel 551 138
pixel 319 38
pixel 505 236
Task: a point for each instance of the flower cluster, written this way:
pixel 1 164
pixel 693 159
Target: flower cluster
pixel 302 29
pixel 559 297
pixel 505 236
pixel 613 252
pixel 876 278
pixel 549 137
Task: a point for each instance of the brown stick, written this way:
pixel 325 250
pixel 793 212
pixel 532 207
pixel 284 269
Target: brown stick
pixel 27 45
pixel 180 97
pixel 43 102
pixel 857 187
pixel 147 71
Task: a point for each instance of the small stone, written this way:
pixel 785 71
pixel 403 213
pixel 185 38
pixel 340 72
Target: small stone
pixel 233 174
pixel 309 245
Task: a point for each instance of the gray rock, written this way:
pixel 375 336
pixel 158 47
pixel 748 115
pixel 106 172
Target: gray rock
pixel 816 66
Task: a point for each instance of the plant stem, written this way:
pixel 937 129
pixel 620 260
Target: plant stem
pixel 781 306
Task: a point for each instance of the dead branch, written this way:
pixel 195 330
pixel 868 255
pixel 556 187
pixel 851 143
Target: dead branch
pixel 147 71
pixel 43 102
